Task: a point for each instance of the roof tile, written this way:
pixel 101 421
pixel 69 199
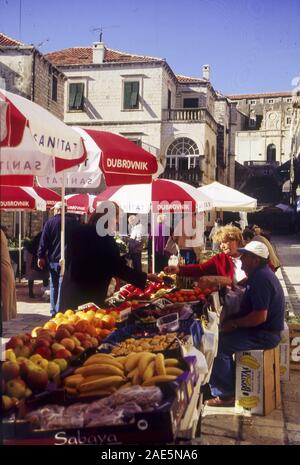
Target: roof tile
pixel 6 41
pixel 84 56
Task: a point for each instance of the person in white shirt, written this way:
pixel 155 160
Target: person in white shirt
pixel 216 227
pixel 135 245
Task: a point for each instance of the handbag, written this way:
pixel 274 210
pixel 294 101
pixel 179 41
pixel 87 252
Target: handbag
pixel 171 247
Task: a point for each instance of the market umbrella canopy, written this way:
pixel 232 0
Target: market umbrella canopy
pixel 225 198
pixel 80 203
pixel 163 195
pixel 33 141
pixel 118 159
pixel 20 198
pixel 48 195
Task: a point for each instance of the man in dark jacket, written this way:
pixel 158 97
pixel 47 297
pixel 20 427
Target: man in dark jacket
pixel 91 261
pixel 49 249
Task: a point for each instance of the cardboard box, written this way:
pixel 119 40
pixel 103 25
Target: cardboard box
pixel 294 337
pixel 258 381
pixel 158 426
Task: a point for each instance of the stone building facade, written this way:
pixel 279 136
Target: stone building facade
pixel 25 71
pixel 141 98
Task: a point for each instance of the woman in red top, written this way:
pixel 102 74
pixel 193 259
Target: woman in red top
pixel 226 263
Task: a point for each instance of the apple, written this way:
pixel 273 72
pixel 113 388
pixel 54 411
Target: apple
pixel 87 344
pixel 68 343
pixel 7 403
pixel 61 362
pixel 94 341
pixel 68 326
pixel 76 341
pixel 23 351
pixel 10 370
pixel 78 350
pixel 15 388
pixel 45 352
pixel 80 336
pixel 10 355
pixel 53 370
pixel 42 342
pixel 25 365
pixel 37 378
pixel 35 357
pixel 56 346
pixel 28 393
pixel 26 337
pixel 62 333
pixel 63 353
pixel 15 341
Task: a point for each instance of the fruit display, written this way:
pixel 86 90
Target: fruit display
pixel 152 291
pixel 155 343
pixel 32 360
pixel 189 295
pixel 103 374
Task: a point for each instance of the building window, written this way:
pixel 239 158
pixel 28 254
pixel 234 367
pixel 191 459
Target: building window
pixel 131 95
pixel 183 154
pixel 169 99
pixel 54 88
pixel 271 153
pixel 136 141
pixel 190 103
pixel 252 102
pixel 271 100
pixel 252 122
pixel 288 120
pixel 76 96
pixel 288 100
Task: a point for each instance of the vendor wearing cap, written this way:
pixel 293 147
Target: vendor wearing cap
pixel 49 251
pixel 257 326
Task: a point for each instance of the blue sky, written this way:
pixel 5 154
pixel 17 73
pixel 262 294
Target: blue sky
pixel 251 45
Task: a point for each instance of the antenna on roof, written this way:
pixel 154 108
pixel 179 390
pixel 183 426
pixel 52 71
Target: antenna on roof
pixel 101 28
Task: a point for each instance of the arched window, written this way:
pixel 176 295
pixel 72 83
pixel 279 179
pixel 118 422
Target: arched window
pixel 183 154
pixel 271 153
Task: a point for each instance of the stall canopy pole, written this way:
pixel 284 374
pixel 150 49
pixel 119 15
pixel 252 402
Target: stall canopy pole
pixel 153 240
pixel 20 245
pixel 62 235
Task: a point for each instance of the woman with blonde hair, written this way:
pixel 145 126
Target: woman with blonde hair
pixel 226 263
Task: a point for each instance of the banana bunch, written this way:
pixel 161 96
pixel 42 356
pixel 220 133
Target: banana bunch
pixel 249 361
pixel 103 374
pixel 248 402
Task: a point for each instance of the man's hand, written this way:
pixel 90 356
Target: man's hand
pixel 154 277
pixel 228 326
pixel 171 269
pixel 41 263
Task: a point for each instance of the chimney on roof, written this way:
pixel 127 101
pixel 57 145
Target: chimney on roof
pixel 206 72
pixel 98 52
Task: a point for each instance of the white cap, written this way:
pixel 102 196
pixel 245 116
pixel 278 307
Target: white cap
pixel 58 206
pixel 257 248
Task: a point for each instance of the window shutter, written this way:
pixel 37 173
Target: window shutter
pixel 134 102
pixel 72 96
pixel 79 97
pixel 127 95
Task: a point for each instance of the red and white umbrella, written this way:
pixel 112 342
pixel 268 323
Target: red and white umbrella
pixel 163 195
pixel 33 141
pixel 20 198
pixel 80 203
pixel 118 159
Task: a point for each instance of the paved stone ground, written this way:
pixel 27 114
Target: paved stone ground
pixel 224 426
pixel 219 425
